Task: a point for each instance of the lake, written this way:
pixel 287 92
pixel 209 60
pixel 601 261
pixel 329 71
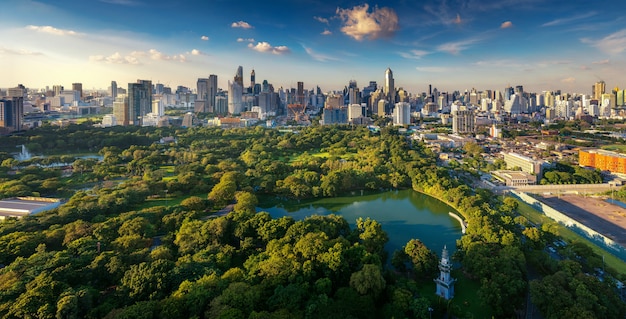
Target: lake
pixel 404 215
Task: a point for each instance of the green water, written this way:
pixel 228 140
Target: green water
pixel 404 215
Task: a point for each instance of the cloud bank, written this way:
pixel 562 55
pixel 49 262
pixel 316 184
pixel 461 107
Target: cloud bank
pixel 265 47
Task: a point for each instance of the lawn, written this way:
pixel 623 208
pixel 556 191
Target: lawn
pixel 538 218
pixel 615 147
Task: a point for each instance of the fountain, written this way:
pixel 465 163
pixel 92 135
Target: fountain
pixel 24 154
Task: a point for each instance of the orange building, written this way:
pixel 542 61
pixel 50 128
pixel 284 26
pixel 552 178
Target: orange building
pixel 603 160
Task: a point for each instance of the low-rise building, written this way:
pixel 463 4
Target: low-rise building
pixel 24 206
pixel 515 178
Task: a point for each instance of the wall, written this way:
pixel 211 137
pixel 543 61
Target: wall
pixel 608 244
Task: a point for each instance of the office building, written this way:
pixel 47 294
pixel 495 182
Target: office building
pixel 11 114
pixel 57 89
pixel 139 101
pixel 253 82
pixel 526 164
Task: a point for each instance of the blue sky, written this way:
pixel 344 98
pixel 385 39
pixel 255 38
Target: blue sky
pixel 451 44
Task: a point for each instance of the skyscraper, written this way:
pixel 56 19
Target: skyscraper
pixel 300 93
pixel 252 81
pixel 235 92
pixel 239 76
pixel 390 90
pixel 11 114
pixel 113 89
pixel 139 100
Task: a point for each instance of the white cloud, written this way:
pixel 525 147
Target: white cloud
pixel 204 38
pixel 241 24
pixel 568 20
pixel 568 80
pixel 197 52
pixel 414 54
pixel 432 69
pixel 52 30
pixel 458 46
pixel 326 32
pixel 245 40
pixel 121 2
pixel 614 43
pixel 317 56
pixel 115 58
pixel 266 47
pixel 506 24
pixel 458 19
pixel 322 20
pixel 135 57
pixel 606 61
pixel 19 52
pixel 359 24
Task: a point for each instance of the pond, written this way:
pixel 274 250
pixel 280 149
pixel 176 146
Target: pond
pixel 404 215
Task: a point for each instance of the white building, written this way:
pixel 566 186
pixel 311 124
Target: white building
pixel 402 113
pixel 235 92
pixel 354 111
pixel 109 120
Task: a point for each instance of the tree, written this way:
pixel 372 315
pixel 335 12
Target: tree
pixel 371 234
pixel 423 259
pixel 368 280
pixel 246 203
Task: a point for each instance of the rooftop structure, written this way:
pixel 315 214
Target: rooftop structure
pixel 23 206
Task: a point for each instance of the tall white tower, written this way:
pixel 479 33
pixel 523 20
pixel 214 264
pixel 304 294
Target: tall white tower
pixel 445 283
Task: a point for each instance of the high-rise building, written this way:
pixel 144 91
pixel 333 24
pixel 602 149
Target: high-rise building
pixel 139 100
pixel 252 82
pixel 11 114
pixel 18 91
pixel 402 113
pixel 390 90
pixel 57 89
pixel 113 89
pixel 235 92
pixel 120 110
pixel 598 89
pixel 463 121
pixel 239 76
pixel 300 94
pixel 78 87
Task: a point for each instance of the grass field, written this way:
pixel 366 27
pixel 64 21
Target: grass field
pixel 538 218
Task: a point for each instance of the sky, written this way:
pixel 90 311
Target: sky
pixel 452 44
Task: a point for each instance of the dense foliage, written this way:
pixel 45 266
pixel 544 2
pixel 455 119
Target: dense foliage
pixel 117 250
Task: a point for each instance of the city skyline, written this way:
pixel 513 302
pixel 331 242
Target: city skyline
pixel 453 45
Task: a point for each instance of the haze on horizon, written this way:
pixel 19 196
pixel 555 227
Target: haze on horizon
pixel 453 45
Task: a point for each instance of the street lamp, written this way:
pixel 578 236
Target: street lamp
pixel 430 312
